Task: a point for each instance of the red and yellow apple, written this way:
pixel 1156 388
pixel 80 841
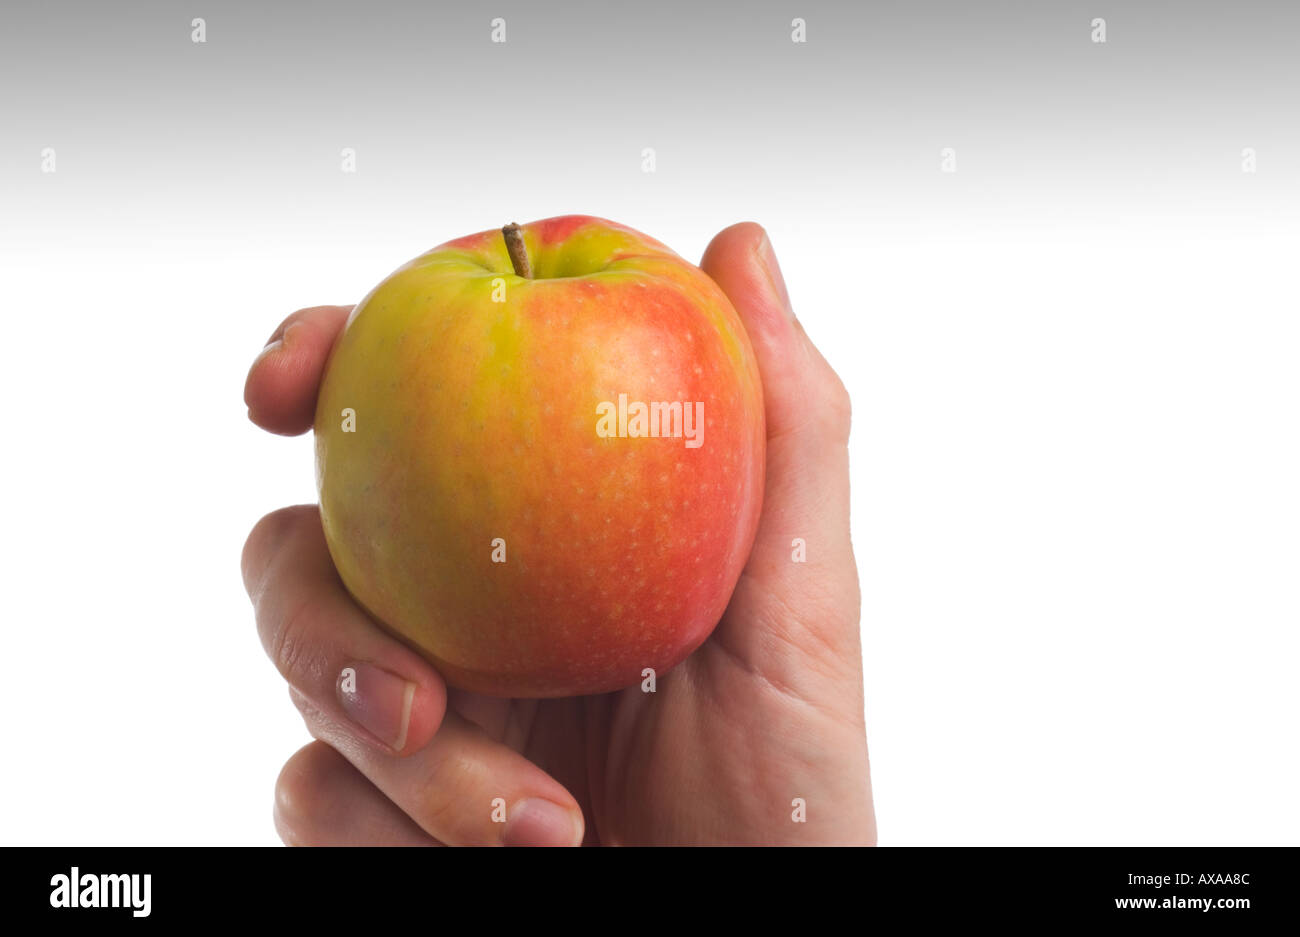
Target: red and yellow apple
pixel 542 465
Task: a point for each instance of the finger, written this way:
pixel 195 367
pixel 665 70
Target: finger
pixel 802 556
pixel 801 392
pixel 321 800
pixel 327 647
pixel 281 387
pixel 463 788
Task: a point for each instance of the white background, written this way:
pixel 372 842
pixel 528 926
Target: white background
pixel 1075 456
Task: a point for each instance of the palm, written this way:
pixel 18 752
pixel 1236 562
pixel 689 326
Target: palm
pixel 712 755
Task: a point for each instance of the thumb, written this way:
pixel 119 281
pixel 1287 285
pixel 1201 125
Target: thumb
pixel 807 595
pixel 741 260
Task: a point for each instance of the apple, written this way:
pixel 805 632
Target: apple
pixel 540 455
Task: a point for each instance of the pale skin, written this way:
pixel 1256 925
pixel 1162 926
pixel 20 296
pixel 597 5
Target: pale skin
pixel 765 715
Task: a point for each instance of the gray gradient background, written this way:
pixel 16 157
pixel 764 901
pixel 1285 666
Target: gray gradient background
pixel 1073 364
pixel 152 131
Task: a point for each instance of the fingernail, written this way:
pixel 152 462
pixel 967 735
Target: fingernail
pixel 280 338
pixel 537 822
pixel 271 348
pixel 378 701
pixel 774 275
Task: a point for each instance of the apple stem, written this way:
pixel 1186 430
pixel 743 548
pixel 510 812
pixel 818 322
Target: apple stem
pixel 514 236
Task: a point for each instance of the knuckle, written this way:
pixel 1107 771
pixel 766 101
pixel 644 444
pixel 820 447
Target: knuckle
pixel 300 797
pixel 836 407
pixel 263 542
pixel 449 805
pixel 291 647
pixel 312 715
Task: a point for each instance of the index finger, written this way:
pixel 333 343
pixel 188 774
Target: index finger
pixel 282 383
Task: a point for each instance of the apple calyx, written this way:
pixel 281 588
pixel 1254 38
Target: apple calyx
pixel 514 236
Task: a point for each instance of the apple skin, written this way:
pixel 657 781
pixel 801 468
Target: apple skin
pixel 476 419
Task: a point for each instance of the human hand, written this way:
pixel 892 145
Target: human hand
pixel 766 713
